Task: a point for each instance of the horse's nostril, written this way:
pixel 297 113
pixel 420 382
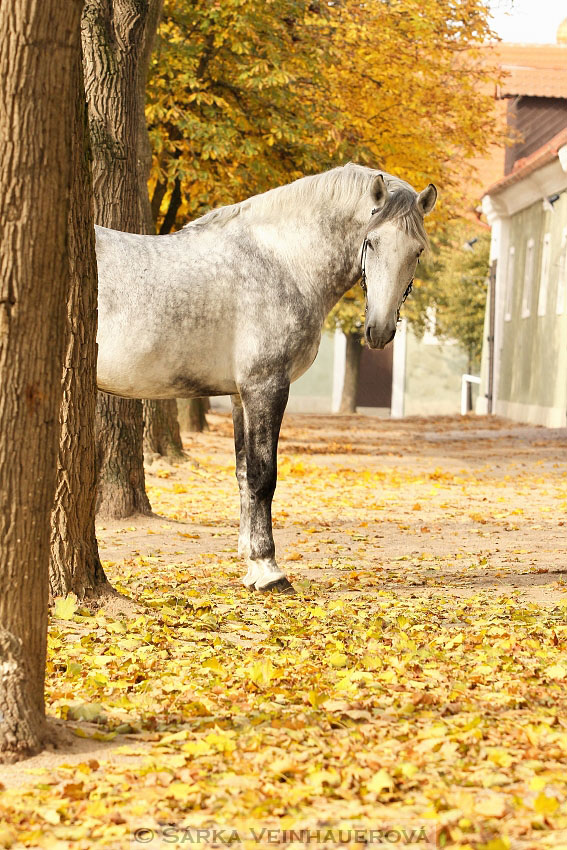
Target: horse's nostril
pixel 369 330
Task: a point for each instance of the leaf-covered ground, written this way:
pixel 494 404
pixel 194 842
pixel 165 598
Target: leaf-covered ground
pixel 416 683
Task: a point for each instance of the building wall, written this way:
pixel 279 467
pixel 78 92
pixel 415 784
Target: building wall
pixel 433 372
pixel 427 375
pixel 532 373
pixel 429 378
pixel 313 392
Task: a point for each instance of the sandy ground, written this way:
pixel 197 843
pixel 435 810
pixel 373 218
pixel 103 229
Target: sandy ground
pixel 500 523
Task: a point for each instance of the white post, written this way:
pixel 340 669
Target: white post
pixel 339 361
pixel 399 371
pixel 465 380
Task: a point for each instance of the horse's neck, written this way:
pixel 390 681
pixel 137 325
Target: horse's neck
pixel 321 253
pixel 338 261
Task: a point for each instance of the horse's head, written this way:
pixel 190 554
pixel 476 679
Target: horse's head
pixel 393 243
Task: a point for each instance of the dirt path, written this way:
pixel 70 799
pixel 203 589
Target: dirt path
pixel 428 505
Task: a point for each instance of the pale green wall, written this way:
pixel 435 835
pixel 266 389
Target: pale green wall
pixel 433 378
pixel 532 370
pixel 314 390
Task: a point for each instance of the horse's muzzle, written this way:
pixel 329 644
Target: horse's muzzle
pixel 379 338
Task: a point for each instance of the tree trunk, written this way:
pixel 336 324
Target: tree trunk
pixel 117 35
pixel 172 209
pixel 469 384
pixel 192 414
pixel 75 564
pixel 352 367
pixel 39 49
pixel 144 148
pixel 157 198
pixel 161 429
pixel 121 491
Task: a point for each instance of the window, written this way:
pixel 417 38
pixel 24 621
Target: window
pixel 562 276
pixel 544 275
pixel 528 279
pixel 509 284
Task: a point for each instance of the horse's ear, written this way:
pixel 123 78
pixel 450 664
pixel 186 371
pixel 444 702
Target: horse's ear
pixel 426 199
pixel 379 192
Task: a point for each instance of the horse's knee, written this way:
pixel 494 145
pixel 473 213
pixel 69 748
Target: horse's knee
pixel 261 482
pixel 262 491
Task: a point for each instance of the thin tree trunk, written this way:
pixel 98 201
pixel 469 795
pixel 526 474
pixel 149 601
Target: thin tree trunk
pixel 116 34
pixel 161 429
pixel 192 414
pixel 160 192
pixel 172 209
pixel 352 368
pixel 121 482
pixel 121 491
pixel 157 197
pixel 469 385
pixel 75 564
pixel 39 49
pixel 144 148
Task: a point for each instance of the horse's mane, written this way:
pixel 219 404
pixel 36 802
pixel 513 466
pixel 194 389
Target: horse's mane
pixel 401 209
pixel 345 184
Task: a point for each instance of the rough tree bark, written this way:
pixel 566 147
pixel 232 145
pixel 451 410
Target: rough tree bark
pixel 116 35
pixel 161 429
pixel 39 49
pixel 144 148
pixel 192 414
pixel 75 564
pixel 352 369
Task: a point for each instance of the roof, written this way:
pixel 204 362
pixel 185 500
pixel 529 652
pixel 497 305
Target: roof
pixel 524 167
pixel 533 70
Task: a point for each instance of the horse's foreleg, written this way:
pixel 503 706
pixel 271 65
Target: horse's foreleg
pixel 263 408
pixel 240 451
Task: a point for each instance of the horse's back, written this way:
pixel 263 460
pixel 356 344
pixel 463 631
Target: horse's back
pixel 155 319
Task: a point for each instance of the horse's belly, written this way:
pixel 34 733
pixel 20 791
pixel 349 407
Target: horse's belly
pixel 185 388
pixel 161 374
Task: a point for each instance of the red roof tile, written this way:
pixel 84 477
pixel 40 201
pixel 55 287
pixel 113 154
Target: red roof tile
pixel 536 70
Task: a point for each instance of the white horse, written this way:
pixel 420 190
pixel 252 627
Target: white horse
pixel 235 302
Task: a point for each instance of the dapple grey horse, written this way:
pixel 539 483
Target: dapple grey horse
pixel 234 303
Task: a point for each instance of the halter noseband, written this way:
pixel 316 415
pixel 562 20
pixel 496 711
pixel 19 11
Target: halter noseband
pixel 363 275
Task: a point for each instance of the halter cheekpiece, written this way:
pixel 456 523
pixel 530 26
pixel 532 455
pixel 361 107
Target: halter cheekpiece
pixel 363 274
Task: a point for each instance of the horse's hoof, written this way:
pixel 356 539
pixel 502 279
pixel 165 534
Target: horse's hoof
pixel 280 585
